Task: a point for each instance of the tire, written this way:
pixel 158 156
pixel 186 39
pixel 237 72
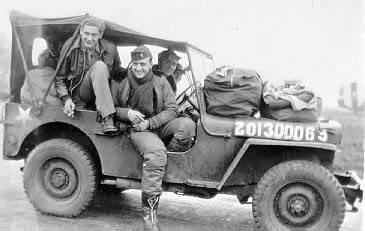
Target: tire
pixel 60 178
pixel 298 195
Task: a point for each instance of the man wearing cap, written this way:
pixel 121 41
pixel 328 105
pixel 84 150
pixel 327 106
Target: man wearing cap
pixel 169 67
pixel 83 77
pixel 168 61
pixel 148 103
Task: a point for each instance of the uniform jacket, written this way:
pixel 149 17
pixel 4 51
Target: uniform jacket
pixel 76 65
pixel 166 106
pixel 169 78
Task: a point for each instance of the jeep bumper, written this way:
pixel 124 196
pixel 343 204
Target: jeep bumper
pixel 352 187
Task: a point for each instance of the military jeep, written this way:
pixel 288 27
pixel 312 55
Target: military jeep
pixel 285 167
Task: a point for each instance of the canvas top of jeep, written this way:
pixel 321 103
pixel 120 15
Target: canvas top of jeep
pixel 241 156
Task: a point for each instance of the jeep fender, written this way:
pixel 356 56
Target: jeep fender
pixel 26 144
pixel 255 141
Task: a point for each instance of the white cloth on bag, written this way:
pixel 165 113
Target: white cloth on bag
pixel 290 92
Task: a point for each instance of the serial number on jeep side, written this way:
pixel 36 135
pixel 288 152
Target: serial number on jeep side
pixel 279 131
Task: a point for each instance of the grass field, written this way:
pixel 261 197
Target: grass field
pixel 351 151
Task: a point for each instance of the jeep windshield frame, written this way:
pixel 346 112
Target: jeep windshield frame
pixel 201 64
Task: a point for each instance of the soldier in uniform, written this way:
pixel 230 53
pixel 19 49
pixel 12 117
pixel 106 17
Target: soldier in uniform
pixel 169 67
pixel 83 78
pixel 168 61
pixel 147 102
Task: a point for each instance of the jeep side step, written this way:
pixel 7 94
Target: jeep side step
pixel 179 189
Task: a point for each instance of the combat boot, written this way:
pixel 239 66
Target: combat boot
pixel 149 209
pixel 108 126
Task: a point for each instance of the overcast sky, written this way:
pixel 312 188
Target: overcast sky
pixel 318 41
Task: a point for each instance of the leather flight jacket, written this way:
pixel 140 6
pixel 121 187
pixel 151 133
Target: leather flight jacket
pixel 76 65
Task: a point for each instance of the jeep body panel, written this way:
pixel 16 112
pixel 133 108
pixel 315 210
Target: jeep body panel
pixel 117 156
pixel 210 163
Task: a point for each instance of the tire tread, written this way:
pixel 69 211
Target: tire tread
pixel 279 170
pixel 89 165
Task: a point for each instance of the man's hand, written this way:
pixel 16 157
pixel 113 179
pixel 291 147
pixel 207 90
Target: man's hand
pixel 142 126
pixel 69 107
pixel 135 116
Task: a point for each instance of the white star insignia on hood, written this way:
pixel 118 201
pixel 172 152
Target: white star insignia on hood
pixel 24 115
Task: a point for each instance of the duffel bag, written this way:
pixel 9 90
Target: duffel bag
pixel 289 114
pixel 233 92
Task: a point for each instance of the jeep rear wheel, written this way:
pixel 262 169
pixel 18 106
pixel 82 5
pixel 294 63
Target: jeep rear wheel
pixel 59 178
pixel 298 195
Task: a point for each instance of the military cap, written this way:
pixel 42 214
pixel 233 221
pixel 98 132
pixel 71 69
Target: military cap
pixel 141 52
pixel 166 54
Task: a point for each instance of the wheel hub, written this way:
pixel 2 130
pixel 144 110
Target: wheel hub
pixel 59 178
pixel 298 204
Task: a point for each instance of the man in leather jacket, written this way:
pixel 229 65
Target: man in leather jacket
pixel 83 78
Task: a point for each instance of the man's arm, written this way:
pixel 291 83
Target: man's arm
pixel 116 88
pixel 169 111
pixel 60 85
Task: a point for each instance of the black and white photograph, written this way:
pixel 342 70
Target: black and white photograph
pixel 182 115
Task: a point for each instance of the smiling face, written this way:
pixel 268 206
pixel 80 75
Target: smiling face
pixel 168 65
pixel 90 36
pixel 141 67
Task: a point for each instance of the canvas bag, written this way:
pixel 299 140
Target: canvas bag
pixel 233 92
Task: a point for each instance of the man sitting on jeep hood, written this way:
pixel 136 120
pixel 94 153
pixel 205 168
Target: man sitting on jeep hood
pixel 147 102
pixel 84 75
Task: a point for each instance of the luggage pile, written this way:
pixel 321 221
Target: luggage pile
pixel 290 101
pixel 233 92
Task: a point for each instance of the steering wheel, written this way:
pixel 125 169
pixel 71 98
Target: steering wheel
pixel 186 98
pixel 183 92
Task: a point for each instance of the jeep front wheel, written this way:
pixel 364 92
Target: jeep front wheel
pixel 298 195
pixel 59 178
